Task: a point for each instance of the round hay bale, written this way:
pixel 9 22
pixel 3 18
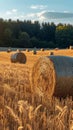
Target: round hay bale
pixel 8 50
pixel 53 76
pixel 18 50
pixel 71 47
pixel 34 52
pixel 18 57
pixel 51 53
pixel 42 49
pixel 27 50
pixel 56 49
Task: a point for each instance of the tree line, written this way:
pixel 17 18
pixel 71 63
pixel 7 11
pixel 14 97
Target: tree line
pixel 26 34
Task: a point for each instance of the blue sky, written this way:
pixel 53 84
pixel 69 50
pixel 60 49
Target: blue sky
pixel 34 9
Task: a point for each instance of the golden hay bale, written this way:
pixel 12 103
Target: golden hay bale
pixel 9 50
pixel 53 76
pixel 18 57
pixel 27 50
pixel 42 49
pixel 18 50
pixel 71 47
pixel 56 49
pixel 51 53
pixel 34 52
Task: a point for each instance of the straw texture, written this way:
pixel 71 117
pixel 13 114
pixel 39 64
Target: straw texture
pixel 18 57
pixel 53 76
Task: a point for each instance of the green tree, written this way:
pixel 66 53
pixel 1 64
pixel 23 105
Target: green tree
pixel 34 42
pixel 64 35
pixel 8 37
pixel 24 39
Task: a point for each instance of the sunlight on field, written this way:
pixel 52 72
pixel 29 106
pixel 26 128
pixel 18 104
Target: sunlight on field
pixel 31 58
pixel 20 108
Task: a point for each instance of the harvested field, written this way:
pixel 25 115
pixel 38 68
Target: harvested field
pixel 20 107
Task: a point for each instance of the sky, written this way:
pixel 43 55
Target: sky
pixel 35 9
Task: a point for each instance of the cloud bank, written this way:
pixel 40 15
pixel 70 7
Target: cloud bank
pixel 57 15
pixel 13 11
pixel 39 7
pixel 41 15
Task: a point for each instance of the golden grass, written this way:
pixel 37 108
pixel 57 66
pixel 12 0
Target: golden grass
pixel 23 110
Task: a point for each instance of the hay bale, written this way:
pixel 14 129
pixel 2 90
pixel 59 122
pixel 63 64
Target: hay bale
pixel 42 49
pixel 53 76
pixel 18 57
pixel 51 53
pixel 56 49
pixel 71 47
pixel 34 52
pixel 18 50
pixel 27 50
pixel 8 50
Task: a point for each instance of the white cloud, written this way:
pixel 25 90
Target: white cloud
pixel 66 12
pixel 41 13
pixel 42 19
pixel 58 15
pixel 38 7
pixel 9 12
pixel 41 16
pixel 35 16
pixel 31 15
pixel 14 10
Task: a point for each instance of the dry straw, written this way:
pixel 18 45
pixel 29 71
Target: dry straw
pixel 29 127
pixel 8 91
pixel 1 102
pixel 20 128
pixel 18 57
pixel 13 116
pixel 53 76
pixel 1 90
pixel 23 106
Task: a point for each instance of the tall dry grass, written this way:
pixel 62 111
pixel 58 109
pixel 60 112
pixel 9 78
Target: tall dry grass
pixel 20 109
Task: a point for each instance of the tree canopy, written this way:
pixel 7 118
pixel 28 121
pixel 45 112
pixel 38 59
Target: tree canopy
pixel 27 34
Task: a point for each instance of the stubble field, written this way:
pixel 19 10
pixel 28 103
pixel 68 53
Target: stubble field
pixel 20 108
